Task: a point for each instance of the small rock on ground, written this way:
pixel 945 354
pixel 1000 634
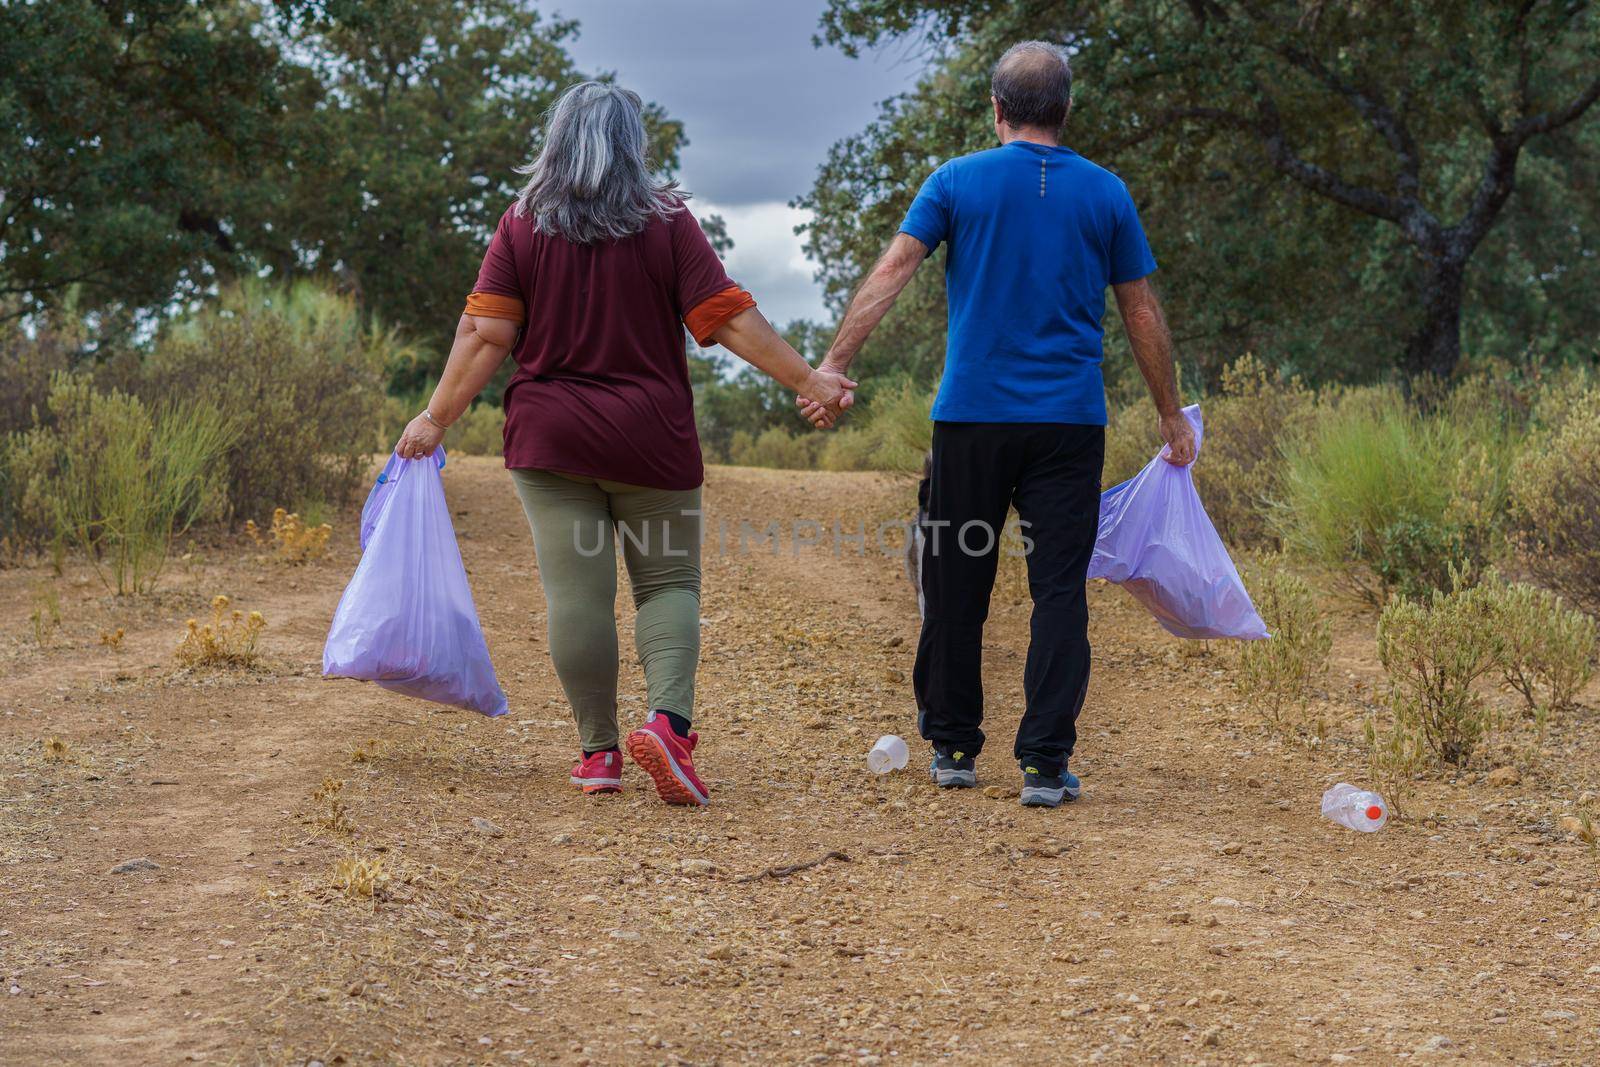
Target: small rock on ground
pixel 133 865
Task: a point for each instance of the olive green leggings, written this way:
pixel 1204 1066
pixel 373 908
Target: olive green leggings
pixel 575 523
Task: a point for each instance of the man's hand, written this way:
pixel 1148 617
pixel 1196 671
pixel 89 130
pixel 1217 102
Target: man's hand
pixel 817 412
pixel 1179 436
pixel 1151 342
pixel 825 395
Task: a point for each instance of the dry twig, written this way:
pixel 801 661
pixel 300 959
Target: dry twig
pixel 784 872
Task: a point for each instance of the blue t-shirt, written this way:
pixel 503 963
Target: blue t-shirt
pixel 1036 234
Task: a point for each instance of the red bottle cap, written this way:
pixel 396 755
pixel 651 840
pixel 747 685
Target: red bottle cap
pixel 1374 813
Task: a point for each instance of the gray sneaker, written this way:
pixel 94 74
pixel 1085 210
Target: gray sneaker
pixel 955 770
pixel 1045 791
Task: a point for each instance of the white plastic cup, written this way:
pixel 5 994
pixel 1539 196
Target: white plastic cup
pixel 889 754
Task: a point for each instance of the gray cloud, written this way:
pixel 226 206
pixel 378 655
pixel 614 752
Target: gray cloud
pixel 760 104
pixel 760 107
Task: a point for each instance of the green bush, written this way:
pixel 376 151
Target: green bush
pixel 776 447
pixel 849 448
pixel 27 512
pixel 299 374
pixel 1132 437
pixel 1555 507
pixel 1546 645
pixel 1249 422
pixel 393 414
pixel 28 361
pixel 1396 754
pixel 118 480
pixel 478 432
pixel 1389 499
pixel 894 435
pixel 1276 676
pixel 1434 651
pixel 1554 400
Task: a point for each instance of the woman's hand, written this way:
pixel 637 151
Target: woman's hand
pixel 421 437
pixel 829 392
pixel 751 337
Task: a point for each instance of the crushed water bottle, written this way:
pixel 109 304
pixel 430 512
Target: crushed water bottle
pixel 1358 809
pixel 889 754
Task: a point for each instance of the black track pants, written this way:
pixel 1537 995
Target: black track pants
pixel 1051 473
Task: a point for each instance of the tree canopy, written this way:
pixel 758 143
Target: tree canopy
pixel 1339 186
pixel 132 143
pixel 150 147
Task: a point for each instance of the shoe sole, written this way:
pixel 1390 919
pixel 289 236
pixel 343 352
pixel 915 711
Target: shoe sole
pixel 650 753
pixel 1037 797
pixel 592 786
pixel 948 779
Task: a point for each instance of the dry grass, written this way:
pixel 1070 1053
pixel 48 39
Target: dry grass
pixel 368 751
pixel 333 812
pixel 1581 826
pixel 1277 676
pixel 360 879
pixel 292 540
pixel 228 640
pixel 46 614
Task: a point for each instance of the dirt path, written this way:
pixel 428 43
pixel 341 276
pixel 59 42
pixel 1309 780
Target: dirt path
pixel 1192 908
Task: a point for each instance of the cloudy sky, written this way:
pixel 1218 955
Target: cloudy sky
pixel 760 107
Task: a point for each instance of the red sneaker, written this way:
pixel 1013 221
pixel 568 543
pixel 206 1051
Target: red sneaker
pixel 599 773
pixel 665 757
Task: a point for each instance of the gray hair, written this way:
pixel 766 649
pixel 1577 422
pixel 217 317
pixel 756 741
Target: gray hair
pixel 591 180
pixel 1033 85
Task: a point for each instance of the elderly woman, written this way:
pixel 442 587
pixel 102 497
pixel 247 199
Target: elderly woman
pixel 589 281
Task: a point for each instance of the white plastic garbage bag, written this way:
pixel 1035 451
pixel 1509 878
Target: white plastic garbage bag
pixel 1157 542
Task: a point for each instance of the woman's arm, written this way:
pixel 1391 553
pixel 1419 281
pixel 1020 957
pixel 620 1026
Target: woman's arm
pixel 481 345
pixel 751 337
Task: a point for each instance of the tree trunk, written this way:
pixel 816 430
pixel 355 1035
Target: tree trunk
pixel 1435 348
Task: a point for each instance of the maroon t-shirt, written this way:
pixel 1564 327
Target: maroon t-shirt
pixel 602 385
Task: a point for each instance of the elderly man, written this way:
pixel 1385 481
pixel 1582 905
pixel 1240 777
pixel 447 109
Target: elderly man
pixel 1036 233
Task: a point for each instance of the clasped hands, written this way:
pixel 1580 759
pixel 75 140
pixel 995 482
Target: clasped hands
pixel 825 395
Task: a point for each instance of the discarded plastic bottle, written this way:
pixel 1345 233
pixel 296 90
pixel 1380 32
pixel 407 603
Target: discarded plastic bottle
pixel 1357 809
pixel 889 754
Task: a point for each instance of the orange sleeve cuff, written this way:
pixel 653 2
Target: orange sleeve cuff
pixel 713 313
pixel 495 306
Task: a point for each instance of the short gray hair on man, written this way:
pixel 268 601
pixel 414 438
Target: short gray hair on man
pixel 1033 84
pixel 591 180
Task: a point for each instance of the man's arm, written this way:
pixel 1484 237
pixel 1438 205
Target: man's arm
pixel 1152 350
pixel 874 299
pixel 868 307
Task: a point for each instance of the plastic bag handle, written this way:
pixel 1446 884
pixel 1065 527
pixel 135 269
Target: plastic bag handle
pixel 383 476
